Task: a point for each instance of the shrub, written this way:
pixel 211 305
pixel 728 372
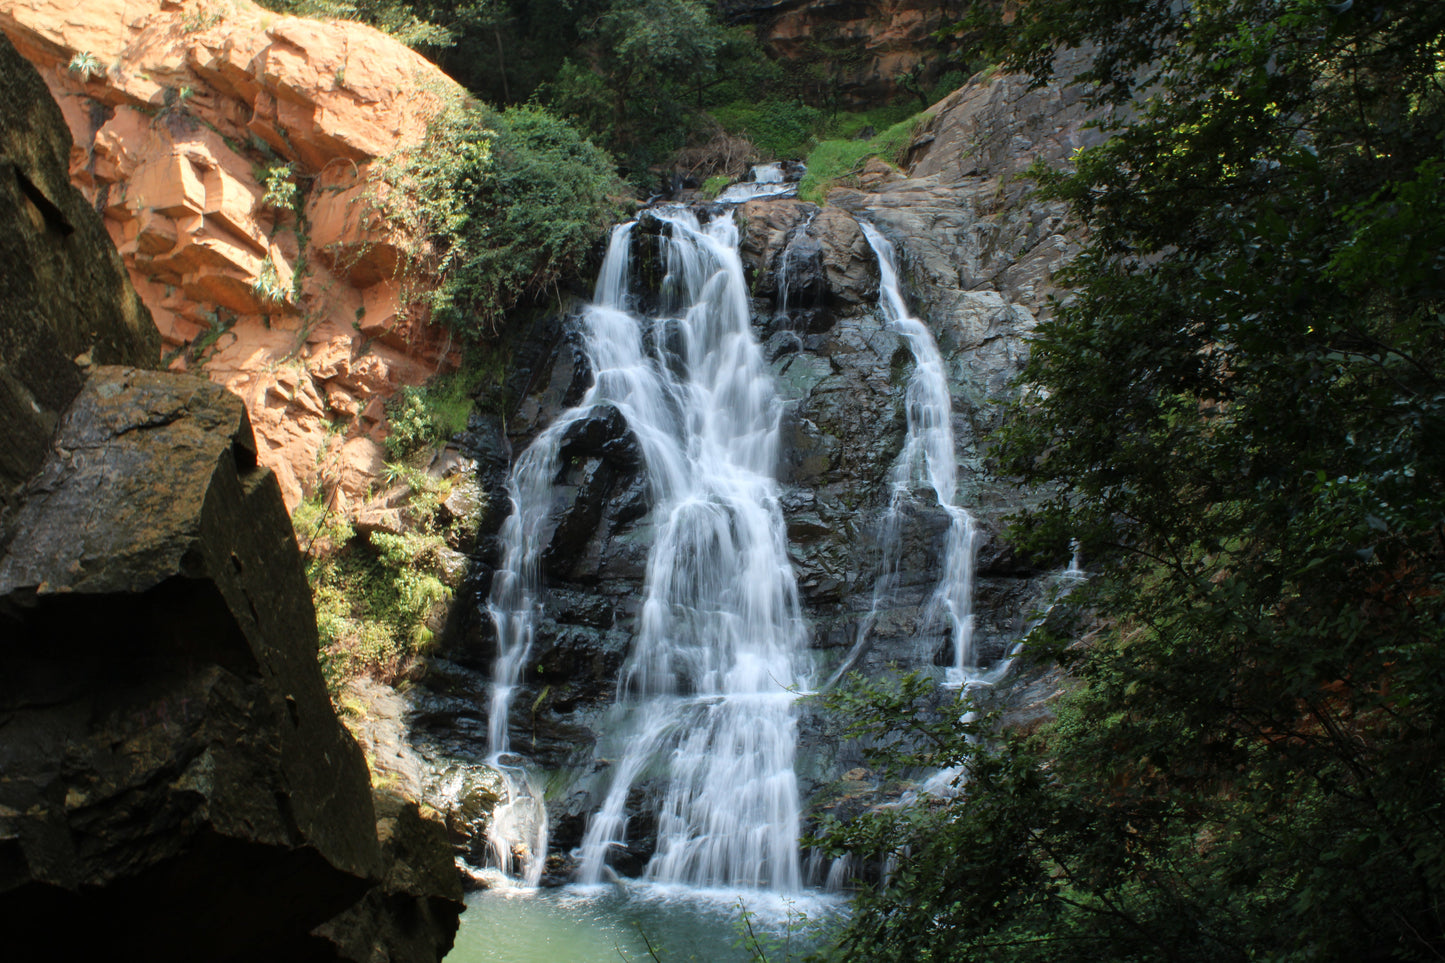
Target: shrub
pixel 778 128
pixel 422 415
pixel 281 191
pixel 511 203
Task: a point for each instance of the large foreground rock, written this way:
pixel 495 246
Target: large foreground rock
pixel 173 782
pixel 174 775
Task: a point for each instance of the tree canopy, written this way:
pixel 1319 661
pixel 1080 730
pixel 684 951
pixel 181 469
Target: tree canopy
pixel 1240 413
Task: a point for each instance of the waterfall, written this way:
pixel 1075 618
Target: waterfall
pixel 928 455
pixel 705 700
pixel 518 833
pixel 706 696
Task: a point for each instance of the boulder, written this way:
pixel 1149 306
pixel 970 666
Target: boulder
pixel 174 774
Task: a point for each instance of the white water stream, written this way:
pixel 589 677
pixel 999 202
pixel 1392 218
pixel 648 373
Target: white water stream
pixel 706 698
pixel 928 456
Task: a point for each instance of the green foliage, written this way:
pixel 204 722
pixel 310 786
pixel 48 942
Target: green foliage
pixel 281 192
pixel 420 416
pixel 714 185
pixel 268 285
pixel 318 528
pixel 511 202
pixel 396 17
pixel 1238 414
pixel 646 66
pixel 377 597
pixel 87 65
pixel 832 161
pixel 778 128
pixel 372 604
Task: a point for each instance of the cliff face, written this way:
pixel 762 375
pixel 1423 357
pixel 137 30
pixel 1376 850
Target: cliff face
pixel 862 47
pixel 175 784
pixel 193 123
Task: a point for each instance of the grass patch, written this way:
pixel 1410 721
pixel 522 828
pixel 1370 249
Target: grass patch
pixel 833 162
pixel 426 415
pixel 714 185
pixel 783 130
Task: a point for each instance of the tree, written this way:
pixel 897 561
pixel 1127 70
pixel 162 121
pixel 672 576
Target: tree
pixel 1238 413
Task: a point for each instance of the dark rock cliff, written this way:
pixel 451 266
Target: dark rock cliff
pixel 173 781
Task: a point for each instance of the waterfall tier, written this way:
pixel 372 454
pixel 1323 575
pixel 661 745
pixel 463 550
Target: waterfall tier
pixel 705 706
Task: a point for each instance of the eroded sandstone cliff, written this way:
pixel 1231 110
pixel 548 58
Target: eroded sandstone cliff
pixel 194 122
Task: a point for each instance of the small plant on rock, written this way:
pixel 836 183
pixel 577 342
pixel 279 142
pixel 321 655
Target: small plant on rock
pixel 87 65
pixel 268 286
pixel 281 191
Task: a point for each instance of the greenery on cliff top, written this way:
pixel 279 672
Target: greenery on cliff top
pixel 657 83
pixel 511 201
pixel 1240 415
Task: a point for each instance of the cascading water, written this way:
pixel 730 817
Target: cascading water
pixel 928 455
pixel 518 832
pixel 768 180
pixel 706 697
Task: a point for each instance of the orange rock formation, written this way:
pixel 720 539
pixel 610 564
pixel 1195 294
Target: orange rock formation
pixel 180 109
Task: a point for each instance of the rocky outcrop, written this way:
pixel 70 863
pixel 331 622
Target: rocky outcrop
pixel 174 784
pixel 232 154
pixel 166 722
pixel 860 49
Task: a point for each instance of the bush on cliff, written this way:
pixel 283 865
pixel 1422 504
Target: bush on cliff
pixel 511 203
pixel 1239 413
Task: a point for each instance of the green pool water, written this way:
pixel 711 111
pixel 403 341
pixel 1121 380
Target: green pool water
pixel 612 924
